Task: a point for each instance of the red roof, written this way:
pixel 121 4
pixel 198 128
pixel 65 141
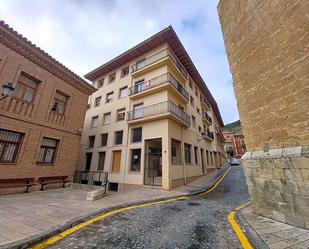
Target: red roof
pixel 167 35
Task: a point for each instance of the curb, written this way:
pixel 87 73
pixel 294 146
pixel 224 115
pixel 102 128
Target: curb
pixel 34 239
pixel 252 235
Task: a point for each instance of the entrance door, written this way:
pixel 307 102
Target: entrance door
pixel 153 167
pixel 202 158
pixel 116 160
pixel 88 161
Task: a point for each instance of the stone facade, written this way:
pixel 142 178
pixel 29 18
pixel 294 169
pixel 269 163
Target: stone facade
pixel 33 117
pixel 267 47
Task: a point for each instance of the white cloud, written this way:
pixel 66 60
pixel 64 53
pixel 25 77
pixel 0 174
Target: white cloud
pixel 84 34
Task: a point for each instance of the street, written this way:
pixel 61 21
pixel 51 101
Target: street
pixel 197 222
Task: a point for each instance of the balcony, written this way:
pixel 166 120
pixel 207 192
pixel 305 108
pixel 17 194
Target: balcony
pixel 204 102
pixel 162 110
pixel 165 56
pixel 207 118
pixel 208 135
pixel 165 81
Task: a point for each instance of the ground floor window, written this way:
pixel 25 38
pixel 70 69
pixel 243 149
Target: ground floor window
pixel 10 142
pixel 176 155
pixel 187 149
pixel 135 160
pixel 101 160
pixel 195 154
pixel 47 151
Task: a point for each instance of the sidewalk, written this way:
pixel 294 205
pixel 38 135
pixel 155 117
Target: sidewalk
pixel 28 218
pixel 268 233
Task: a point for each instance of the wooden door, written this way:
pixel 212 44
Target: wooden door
pixel 116 160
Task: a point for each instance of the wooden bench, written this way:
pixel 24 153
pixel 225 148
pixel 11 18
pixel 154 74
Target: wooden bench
pixel 17 182
pixel 44 180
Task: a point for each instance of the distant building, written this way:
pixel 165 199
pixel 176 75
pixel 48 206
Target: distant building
pixel 152 120
pixel 40 121
pixel 234 144
pixel 267 48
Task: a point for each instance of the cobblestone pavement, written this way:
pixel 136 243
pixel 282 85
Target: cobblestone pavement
pixel 198 222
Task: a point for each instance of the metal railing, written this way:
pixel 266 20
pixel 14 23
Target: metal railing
pixel 207 117
pixel 159 56
pixel 205 101
pixel 94 178
pixel 159 109
pixel 164 78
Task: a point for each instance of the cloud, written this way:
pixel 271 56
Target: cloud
pixel 84 34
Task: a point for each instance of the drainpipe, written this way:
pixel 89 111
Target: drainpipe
pixel 183 159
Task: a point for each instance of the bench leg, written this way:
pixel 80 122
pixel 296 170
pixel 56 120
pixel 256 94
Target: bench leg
pixel 63 185
pixel 42 187
pixel 27 189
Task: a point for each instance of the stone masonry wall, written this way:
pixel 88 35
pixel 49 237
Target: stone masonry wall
pixel 267 48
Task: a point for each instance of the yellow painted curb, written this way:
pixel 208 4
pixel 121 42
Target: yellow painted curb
pixel 241 236
pixel 71 230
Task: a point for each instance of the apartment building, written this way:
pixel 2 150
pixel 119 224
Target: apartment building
pixel 234 144
pixel 152 120
pixel 41 118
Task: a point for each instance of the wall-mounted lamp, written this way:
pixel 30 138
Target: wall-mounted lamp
pixel 7 89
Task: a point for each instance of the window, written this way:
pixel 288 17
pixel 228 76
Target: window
pixel 199 129
pixel 97 101
pixel 198 110
pixel 94 121
pixel 100 83
pixel 91 140
pixel 196 92
pixel 193 121
pixel 140 64
pixel 139 86
pixel 25 87
pixel 137 135
pixel 47 151
pixel 121 114
pixel 109 97
pixel 123 92
pixel 118 137
pixel 187 149
pixel 107 118
pixel 191 100
pixel 135 160
pixel 138 111
pixel 195 154
pixel 104 138
pixel 59 102
pixel 111 78
pixel 124 71
pixel 101 160
pixel 10 142
pixel 176 155
pixel 190 84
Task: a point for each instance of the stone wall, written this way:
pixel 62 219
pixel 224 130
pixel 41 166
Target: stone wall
pixel 267 48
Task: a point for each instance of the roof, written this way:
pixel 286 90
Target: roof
pixel 169 36
pixel 26 48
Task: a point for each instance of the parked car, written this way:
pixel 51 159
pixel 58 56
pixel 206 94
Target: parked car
pixel 233 161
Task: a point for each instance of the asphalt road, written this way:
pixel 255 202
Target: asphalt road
pixel 198 222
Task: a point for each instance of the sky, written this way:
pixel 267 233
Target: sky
pixel 84 34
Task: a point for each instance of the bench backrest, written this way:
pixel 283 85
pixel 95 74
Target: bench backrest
pixel 47 178
pixel 17 180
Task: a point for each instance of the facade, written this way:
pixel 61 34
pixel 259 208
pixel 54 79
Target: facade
pixel 40 120
pixel 234 144
pixel 267 47
pixel 152 120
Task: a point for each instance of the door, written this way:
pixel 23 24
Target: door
pixel 138 111
pixel 116 161
pixel 153 173
pixel 202 158
pixel 88 161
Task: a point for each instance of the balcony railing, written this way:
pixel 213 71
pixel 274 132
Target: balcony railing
pixel 168 77
pixel 157 57
pixel 205 101
pixel 207 117
pixel 159 109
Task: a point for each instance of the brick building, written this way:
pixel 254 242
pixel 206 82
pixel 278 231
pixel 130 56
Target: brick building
pixel 267 47
pixel 41 118
pixel 152 120
pixel 234 144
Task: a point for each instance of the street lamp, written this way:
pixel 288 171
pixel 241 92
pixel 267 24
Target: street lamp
pixel 7 89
